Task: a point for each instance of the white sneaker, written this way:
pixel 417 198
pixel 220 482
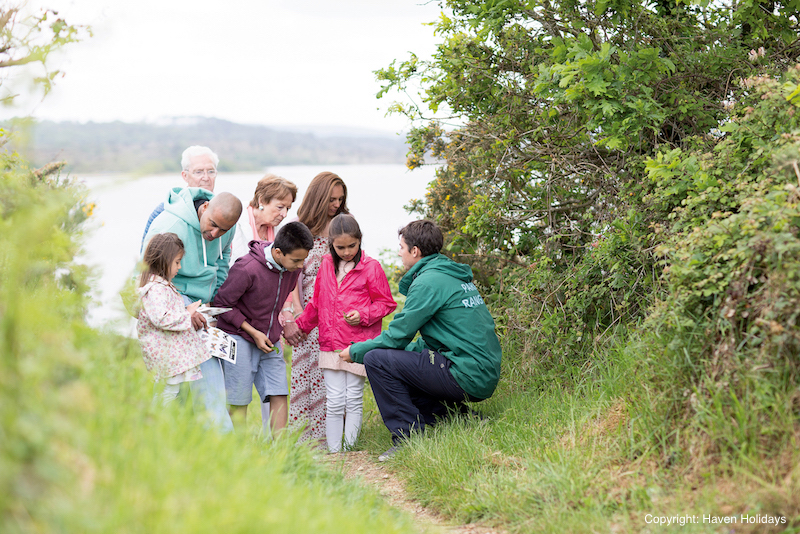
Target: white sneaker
pixel 389 453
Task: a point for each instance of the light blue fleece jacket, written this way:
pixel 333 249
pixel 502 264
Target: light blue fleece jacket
pixel 204 267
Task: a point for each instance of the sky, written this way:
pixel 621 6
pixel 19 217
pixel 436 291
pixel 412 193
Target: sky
pixel 268 62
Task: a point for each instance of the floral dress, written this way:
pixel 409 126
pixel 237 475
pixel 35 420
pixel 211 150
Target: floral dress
pixel 307 398
pixel 170 346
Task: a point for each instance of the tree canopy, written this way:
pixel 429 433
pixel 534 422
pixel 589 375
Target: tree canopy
pixel 562 102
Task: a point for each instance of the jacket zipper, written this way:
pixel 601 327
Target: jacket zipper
pixel 277 298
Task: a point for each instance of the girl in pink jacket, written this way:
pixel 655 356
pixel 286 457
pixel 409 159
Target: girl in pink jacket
pixel 351 297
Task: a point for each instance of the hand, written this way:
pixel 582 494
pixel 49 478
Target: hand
pixel 345 355
pixel 198 321
pixel 352 317
pixel 293 334
pixel 262 341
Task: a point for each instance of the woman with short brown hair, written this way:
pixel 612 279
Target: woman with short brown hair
pixel 271 202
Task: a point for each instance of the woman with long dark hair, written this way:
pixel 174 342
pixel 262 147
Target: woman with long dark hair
pixel 325 198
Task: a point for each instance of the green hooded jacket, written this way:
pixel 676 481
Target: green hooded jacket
pixel 443 305
pixel 205 264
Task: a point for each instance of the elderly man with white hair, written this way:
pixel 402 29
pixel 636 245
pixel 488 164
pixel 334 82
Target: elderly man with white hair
pixel 199 169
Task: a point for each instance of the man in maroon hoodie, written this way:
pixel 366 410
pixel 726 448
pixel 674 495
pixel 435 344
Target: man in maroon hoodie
pixel 256 288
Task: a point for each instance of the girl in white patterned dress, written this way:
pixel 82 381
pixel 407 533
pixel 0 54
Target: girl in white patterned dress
pixel 325 198
pixel 171 349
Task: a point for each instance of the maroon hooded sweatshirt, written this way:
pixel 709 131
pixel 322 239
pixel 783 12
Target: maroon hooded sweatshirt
pixel 256 290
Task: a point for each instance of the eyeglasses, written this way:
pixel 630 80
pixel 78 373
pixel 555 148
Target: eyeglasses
pixel 200 172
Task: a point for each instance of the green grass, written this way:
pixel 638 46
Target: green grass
pixel 114 462
pixel 569 456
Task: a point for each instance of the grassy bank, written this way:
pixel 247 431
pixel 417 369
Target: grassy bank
pixel 577 451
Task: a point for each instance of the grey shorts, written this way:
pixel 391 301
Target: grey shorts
pixel 254 367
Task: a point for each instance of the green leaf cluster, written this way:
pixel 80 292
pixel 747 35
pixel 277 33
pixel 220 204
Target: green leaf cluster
pixel 31 39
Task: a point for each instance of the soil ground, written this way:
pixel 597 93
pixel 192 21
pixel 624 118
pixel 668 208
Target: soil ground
pixel 363 466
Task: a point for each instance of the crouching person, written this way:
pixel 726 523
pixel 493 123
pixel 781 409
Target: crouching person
pixel 457 356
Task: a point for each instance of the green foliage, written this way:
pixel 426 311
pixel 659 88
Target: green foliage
pixel 41 304
pixel 728 325
pixel 621 161
pixel 30 40
pixel 561 105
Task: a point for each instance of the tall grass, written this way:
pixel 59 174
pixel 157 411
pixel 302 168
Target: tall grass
pixel 591 450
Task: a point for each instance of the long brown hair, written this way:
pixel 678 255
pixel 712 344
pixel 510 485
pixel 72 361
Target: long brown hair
pixel 344 224
pixel 161 251
pixel 273 186
pixel 313 211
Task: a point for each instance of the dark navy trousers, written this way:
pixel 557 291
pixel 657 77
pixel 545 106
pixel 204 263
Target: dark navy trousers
pixel 413 389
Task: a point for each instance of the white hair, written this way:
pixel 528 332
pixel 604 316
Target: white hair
pixel 193 152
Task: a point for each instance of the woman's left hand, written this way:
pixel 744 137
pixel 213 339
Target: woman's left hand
pixel 352 317
pixel 293 334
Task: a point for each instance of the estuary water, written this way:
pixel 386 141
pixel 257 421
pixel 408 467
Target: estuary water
pixel 376 195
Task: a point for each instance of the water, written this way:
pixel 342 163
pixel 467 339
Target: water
pixel 376 195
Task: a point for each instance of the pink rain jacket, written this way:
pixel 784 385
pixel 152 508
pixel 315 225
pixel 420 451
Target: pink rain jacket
pixel 364 289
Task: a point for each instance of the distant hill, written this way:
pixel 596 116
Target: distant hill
pixel 154 148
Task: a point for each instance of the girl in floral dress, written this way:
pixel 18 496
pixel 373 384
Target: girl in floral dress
pixel 171 349
pixel 325 198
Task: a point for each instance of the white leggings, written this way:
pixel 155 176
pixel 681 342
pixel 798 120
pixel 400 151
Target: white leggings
pixel 345 394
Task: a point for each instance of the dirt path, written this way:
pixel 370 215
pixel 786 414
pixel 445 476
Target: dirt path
pixel 361 465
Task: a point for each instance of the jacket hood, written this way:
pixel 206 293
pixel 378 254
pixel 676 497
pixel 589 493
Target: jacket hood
pixel 154 280
pixel 180 202
pixel 258 250
pixel 262 252
pixel 436 263
pixel 142 291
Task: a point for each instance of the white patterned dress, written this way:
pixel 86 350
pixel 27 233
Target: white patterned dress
pixel 307 397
